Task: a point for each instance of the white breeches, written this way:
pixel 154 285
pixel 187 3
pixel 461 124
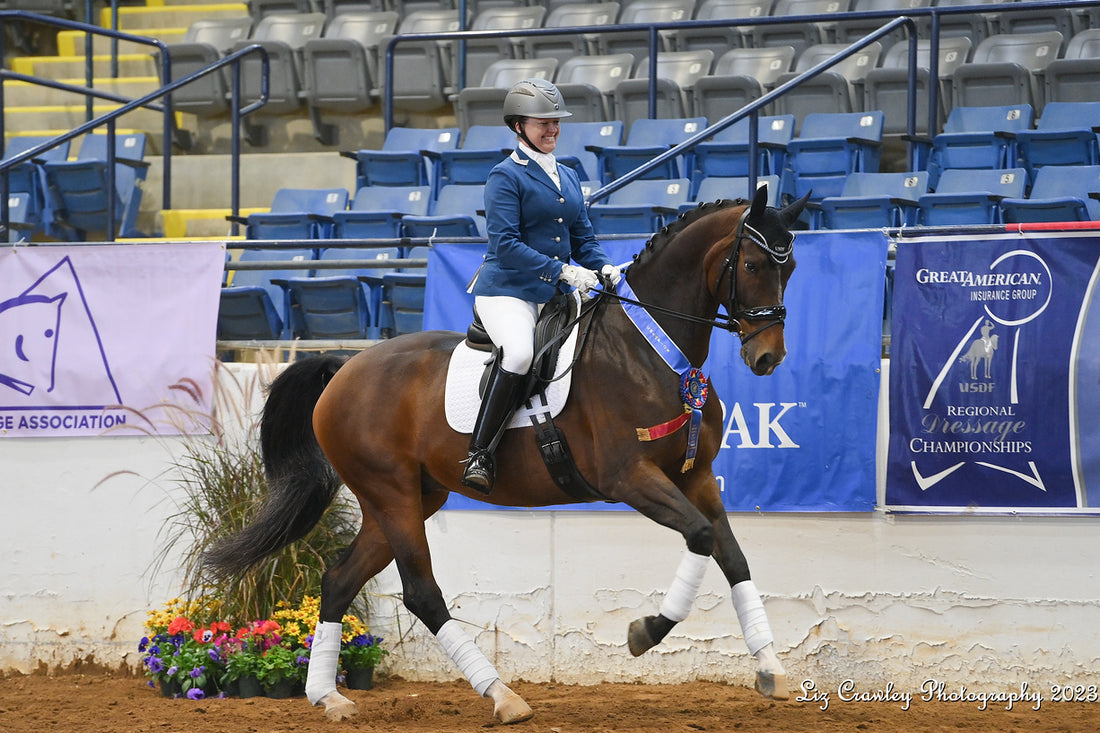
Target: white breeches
pixel 510 323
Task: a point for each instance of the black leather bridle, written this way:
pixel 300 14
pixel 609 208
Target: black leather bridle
pixel 779 253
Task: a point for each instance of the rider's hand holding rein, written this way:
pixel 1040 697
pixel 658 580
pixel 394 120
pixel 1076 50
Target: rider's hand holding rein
pixel 580 278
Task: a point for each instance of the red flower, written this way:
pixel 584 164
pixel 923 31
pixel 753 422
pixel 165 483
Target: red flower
pixel 179 625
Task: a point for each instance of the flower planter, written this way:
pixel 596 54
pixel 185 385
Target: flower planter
pixel 281 689
pixel 249 687
pixel 360 679
pixel 170 688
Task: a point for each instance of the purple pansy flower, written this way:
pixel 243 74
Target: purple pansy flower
pixel 195 693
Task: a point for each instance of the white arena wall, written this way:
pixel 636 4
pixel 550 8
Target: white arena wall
pixel 989 602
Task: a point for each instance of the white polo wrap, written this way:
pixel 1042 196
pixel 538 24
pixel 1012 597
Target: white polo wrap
pixel 751 614
pixel 685 586
pixel 324 660
pixel 477 669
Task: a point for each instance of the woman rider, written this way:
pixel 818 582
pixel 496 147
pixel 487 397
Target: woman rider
pixel 537 221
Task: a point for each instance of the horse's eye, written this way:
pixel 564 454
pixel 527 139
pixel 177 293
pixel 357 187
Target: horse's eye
pixel 751 267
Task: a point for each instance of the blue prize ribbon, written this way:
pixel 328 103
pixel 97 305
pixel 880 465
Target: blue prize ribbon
pixel 693 383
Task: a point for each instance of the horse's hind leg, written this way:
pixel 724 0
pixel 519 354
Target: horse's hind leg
pixel 367 556
pixel 405 532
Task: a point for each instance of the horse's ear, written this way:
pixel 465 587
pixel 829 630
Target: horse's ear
pixel 793 210
pixel 759 202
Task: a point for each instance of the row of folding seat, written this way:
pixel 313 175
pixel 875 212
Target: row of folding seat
pixel 963 197
pixel 70 200
pixel 338 72
pixel 612 87
pixel 340 298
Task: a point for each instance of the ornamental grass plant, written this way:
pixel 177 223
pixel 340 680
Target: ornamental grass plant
pixel 221 484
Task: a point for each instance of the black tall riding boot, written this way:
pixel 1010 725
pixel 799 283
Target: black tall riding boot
pixel 502 394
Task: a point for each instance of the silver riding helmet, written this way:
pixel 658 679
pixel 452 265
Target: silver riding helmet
pixel 536 98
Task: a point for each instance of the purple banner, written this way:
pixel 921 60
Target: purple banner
pixel 117 339
pixel 994 374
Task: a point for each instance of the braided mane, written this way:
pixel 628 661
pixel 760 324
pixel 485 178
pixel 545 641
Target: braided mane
pixel 667 233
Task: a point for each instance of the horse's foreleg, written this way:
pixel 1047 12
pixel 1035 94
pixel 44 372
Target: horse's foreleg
pixel 665 504
pixel 771 678
pixel 365 558
pixel 646 633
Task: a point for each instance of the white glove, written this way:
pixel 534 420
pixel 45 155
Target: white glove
pixel 580 278
pixel 612 273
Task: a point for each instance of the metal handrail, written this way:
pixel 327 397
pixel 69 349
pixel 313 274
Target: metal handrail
pixel 237 112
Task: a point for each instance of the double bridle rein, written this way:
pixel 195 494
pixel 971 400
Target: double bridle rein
pixel 773 314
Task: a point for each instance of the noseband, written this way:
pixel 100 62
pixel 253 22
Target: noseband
pixel 779 254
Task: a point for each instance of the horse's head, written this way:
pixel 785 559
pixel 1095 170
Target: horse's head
pixel 754 277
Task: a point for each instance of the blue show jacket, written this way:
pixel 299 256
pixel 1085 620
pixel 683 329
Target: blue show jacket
pixel 534 230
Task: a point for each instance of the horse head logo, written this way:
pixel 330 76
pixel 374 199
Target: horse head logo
pixel 29 326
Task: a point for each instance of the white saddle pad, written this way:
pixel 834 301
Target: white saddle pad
pixel 464 375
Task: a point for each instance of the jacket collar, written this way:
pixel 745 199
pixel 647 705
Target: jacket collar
pixel 535 171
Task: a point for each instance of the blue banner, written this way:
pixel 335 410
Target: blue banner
pixel 995 374
pixel 802 439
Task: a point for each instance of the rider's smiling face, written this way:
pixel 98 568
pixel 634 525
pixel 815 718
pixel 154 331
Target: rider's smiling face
pixel 543 134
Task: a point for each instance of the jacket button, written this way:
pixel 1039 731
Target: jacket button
pixel 561 200
pixel 557 239
pixel 560 220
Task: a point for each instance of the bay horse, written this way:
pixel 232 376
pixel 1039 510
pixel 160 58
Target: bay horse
pixel 376 423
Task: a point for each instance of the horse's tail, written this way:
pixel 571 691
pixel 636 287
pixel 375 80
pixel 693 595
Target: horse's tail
pixel 300 481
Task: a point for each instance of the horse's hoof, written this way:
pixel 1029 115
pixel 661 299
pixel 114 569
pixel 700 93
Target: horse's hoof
pixel 771 685
pixel 512 709
pixel 638 639
pixel 338 707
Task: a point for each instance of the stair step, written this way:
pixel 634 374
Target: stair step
pixel 69 67
pixel 72 43
pixel 169 16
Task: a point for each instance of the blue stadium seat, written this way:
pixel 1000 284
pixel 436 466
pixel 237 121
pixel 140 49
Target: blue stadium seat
pixel 29 177
pixel 1066 134
pixel 481 148
pixel 577 137
pixel 646 139
pixel 715 188
pixel 253 306
pixel 455 213
pixel 965 196
pixel 727 153
pixel 978 137
pixel 376 211
pixel 874 201
pixel 639 207
pixel 80 195
pixel 1062 193
pixel 341 302
pixel 829 147
pixel 19 227
pixel 402 160
pixel 404 297
pixel 297 213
